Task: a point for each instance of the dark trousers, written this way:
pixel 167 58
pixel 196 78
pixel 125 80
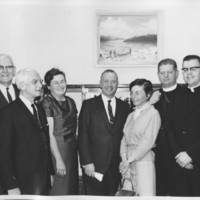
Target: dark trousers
pixel 107 187
pixel 165 180
pixel 2 192
pixel 187 181
pixel 33 184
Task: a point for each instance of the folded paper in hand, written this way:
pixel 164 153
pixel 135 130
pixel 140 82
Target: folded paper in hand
pixel 98 176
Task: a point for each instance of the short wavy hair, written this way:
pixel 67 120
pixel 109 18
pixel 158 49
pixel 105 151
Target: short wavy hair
pixel 51 73
pixel 148 87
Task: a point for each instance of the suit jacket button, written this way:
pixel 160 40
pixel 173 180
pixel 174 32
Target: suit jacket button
pixel 184 132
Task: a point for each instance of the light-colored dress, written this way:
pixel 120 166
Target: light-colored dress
pixel 140 132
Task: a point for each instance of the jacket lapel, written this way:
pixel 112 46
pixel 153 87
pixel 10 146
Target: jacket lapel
pixel 3 99
pixel 102 110
pixel 16 91
pixel 27 112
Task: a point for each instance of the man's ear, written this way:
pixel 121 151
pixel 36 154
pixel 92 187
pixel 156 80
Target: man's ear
pixel 21 86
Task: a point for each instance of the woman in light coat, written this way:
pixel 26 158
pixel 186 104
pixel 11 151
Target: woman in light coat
pixel 140 132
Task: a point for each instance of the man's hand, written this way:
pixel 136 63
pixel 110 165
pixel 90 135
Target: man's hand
pixel 15 191
pixel 89 169
pixel 183 159
pixel 155 97
pixel 189 166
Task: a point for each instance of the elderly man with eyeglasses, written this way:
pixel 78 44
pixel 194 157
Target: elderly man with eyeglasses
pixel 8 91
pixel 184 137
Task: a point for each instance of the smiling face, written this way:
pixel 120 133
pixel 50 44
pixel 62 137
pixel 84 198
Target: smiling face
pixel 58 86
pixel 109 84
pixel 7 71
pixel 138 95
pixel 191 77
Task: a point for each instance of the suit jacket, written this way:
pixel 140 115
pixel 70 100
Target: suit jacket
pixel 25 159
pixel 3 100
pixel 99 141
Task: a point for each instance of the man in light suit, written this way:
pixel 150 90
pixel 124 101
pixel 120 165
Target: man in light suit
pixel 99 136
pixel 25 160
pixel 7 72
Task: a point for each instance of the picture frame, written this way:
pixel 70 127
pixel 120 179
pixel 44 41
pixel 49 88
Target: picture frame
pixel 128 38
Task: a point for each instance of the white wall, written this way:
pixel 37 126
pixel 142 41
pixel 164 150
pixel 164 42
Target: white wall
pixel 46 33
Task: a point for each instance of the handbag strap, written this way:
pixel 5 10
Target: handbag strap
pixel 122 183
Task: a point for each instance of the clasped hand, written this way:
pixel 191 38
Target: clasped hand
pixel 184 160
pixel 123 166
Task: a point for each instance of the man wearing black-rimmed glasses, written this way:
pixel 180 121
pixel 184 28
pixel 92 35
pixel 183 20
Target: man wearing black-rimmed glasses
pixel 184 139
pixel 8 91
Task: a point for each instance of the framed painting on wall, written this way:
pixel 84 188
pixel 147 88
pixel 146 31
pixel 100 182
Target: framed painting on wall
pixel 127 39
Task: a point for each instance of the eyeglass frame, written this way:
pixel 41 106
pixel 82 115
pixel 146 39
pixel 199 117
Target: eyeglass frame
pixel 8 67
pixel 191 69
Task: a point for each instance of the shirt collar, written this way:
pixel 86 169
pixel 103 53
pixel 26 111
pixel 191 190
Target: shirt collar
pixel 192 89
pixel 2 87
pixel 145 106
pixel 169 89
pixel 26 102
pixel 105 99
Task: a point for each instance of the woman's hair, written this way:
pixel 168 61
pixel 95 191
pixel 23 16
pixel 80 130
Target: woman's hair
pixel 51 73
pixel 148 87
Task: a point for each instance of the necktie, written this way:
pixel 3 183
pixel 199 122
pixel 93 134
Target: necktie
pixel 8 95
pixel 110 112
pixel 35 114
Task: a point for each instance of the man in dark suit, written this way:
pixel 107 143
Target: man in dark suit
pixel 170 91
pixel 8 91
pixel 25 160
pixel 100 132
pixel 184 137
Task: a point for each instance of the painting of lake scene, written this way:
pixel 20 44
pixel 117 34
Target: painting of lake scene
pixel 127 39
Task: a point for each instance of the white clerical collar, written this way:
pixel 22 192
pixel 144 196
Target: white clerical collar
pixel 169 89
pixel 192 88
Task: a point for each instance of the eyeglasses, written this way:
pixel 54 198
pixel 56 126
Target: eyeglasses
pixel 191 69
pixel 8 68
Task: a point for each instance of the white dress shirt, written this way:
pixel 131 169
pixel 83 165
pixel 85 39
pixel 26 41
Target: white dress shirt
pixel 11 91
pixel 113 104
pixel 27 103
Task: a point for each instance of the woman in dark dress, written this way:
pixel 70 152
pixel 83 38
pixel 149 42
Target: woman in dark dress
pixel 61 114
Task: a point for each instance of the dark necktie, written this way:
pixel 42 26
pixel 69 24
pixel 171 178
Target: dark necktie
pixel 110 112
pixel 35 114
pixel 8 95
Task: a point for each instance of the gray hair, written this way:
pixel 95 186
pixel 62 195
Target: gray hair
pixel 22 77
pixel 2 56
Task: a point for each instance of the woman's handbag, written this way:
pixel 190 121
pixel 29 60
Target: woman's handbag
pixel 123 192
